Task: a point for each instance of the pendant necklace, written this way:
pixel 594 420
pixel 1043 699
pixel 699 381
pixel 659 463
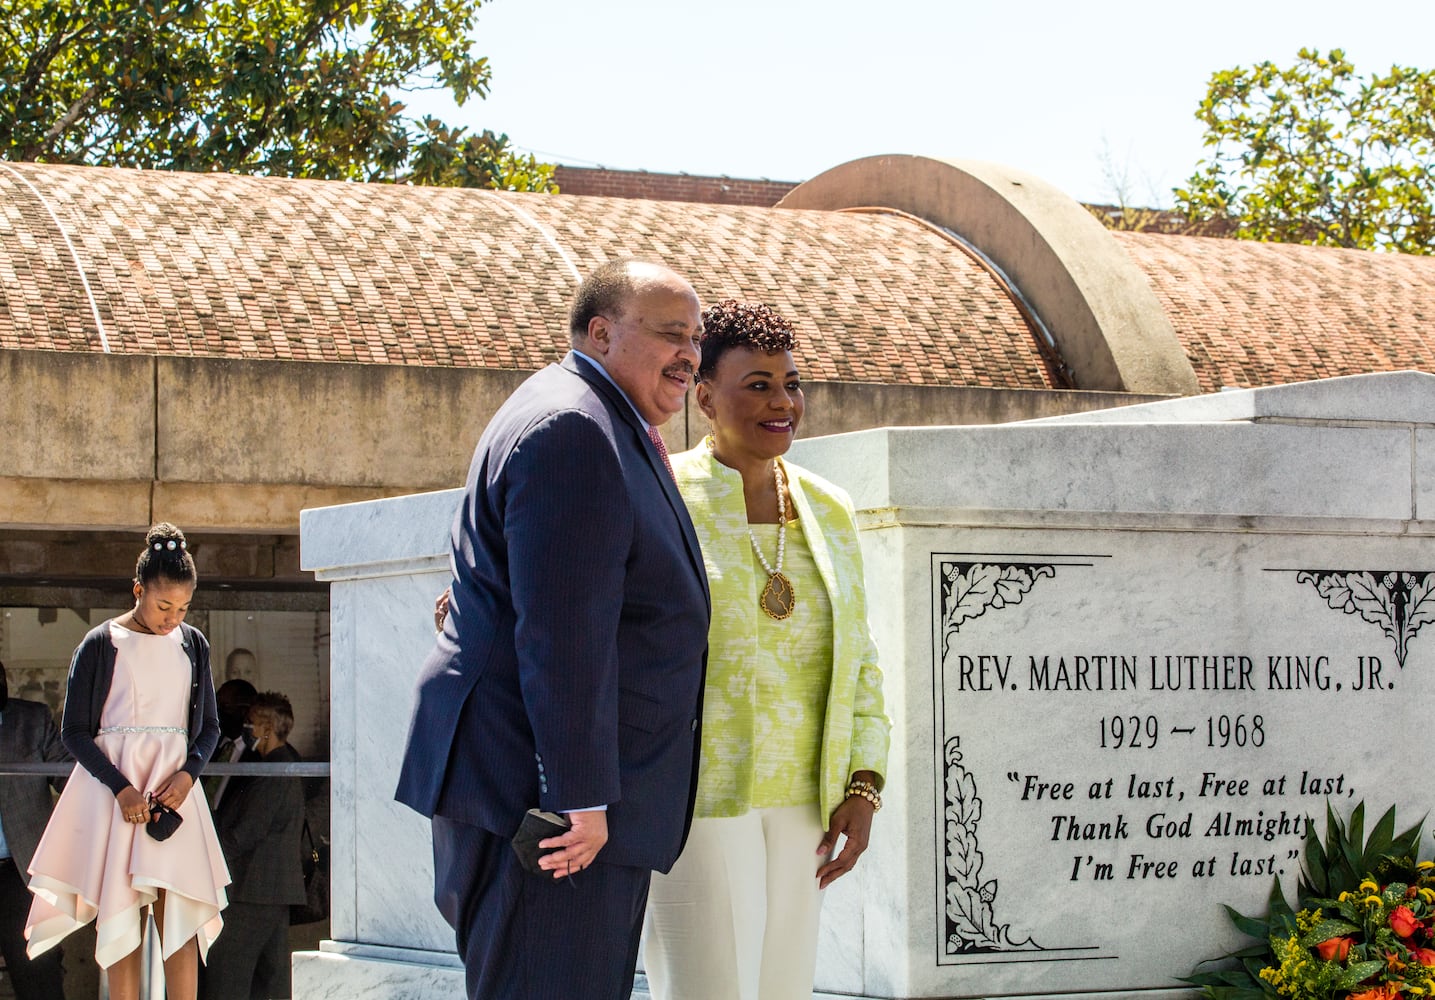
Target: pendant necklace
pixel 778 597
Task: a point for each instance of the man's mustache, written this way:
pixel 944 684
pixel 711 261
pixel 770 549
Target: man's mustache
pixel 681 368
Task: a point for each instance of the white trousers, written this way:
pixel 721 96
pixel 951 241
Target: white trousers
pixel 736 918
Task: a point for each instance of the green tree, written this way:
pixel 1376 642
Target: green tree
pixel 292 88
pixel 1317 154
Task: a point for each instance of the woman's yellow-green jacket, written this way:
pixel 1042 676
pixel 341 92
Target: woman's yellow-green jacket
pixel 855 731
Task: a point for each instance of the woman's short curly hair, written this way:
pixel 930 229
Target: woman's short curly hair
pixel 275 709
pixel 731 323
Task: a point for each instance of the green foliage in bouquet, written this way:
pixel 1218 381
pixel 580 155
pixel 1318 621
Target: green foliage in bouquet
pixel 1362 926
pixel 1343 863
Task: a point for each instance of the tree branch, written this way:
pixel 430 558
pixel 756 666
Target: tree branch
pixel 39 63
pixel 68 118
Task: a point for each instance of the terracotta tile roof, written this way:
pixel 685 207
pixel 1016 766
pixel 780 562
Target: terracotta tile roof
pixel 1252 314
pixel 229 266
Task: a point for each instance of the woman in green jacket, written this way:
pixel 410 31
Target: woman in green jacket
pixel 794 739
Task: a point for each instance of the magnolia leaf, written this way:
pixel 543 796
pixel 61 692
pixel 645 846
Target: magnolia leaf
pixel 1313 152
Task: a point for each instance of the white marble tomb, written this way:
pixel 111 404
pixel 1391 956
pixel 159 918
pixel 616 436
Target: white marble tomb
pixel 1126 654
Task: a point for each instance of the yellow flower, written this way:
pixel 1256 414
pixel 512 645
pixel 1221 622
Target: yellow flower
pixel 1425 866
pixel 1427 894
pixel 1372 900
pixel 1373 887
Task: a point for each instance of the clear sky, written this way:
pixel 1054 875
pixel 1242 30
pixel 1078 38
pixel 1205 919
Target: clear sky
pixel 1076 93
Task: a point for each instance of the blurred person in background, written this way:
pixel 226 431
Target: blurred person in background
pixel 260 820
pixel 27 735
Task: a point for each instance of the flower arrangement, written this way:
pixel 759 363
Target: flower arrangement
pixel 1368 944
pixel 1365 928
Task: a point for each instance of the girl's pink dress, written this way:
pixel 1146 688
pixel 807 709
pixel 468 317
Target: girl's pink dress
pixel 91 864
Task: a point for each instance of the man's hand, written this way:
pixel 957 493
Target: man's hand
pixel 579 846
pixel 440 610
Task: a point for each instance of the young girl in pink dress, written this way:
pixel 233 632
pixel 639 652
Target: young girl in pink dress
pixel 140 720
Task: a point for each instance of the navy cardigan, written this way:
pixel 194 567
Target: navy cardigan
pixel 93 670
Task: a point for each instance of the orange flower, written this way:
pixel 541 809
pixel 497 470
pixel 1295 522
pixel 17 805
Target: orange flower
pixel 1386 992
pixel 1403 922
pixel 1424 956
pixel 1334 949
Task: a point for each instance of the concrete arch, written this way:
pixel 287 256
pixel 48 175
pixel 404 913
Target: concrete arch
pixel 1111 329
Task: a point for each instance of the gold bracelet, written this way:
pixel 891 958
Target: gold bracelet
pixel 865 790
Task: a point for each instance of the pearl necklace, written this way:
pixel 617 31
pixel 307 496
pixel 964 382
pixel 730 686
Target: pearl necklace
pixel 778 597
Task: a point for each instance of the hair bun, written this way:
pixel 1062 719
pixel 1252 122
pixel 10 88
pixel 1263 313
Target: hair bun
pixel 164 537
pixel 165 556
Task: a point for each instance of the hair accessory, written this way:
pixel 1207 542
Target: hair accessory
pixel 171 545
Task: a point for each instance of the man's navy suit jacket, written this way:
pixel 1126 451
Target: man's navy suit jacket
pixel 28 735
pixel 569 672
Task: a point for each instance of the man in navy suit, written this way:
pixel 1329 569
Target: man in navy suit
pixel 569 671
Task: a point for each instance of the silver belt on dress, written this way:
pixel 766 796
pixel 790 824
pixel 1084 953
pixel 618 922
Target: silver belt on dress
pixel 107 730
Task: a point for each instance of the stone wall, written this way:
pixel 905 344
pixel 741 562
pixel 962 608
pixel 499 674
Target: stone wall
pixel 104 442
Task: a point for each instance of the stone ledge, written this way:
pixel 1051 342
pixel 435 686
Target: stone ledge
pixel 343 971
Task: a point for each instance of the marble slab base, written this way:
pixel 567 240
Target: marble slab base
pixel 371 972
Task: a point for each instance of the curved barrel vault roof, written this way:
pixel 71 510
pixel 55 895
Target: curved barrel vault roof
pixel 1258 314
pixel 211 265
pixel 222 266
pixel 1159 313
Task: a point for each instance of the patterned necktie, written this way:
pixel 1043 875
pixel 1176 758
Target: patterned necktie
pixel 657 440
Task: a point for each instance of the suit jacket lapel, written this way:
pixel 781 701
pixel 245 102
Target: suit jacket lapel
pixel 625 412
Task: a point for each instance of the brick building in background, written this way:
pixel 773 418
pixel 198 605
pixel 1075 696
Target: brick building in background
pixel 605 183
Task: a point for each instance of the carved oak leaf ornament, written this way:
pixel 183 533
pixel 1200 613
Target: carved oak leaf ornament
pixel 1400 602
pixel 969 589
pixel 971 920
